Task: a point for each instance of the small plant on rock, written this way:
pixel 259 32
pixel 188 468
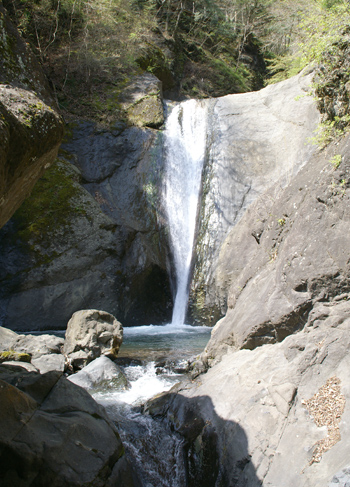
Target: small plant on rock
pixel 336 160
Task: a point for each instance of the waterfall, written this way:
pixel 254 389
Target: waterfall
pixel 185 144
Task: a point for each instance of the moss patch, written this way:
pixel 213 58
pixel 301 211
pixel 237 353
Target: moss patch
pixel 48 213
pixel 15 356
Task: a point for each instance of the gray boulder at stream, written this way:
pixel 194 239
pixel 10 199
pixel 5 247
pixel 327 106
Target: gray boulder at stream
pixel 91 333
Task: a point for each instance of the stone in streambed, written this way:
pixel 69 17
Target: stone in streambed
pixel 39 345
pixel 53 361
pixel 7 337
pixel 101 373
pixel 90 334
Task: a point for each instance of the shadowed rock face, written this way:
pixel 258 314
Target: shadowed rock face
pixel 53 433
pixel 259 409
pixel 89 235
pixel 30 128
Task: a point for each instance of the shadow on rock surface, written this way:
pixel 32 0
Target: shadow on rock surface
pixel 215 450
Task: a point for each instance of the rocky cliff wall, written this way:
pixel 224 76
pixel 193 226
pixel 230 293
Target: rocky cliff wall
pixel 256 141
pixel 89 235
pixel 276 393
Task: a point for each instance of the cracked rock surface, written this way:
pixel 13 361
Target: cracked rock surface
pixel 256 141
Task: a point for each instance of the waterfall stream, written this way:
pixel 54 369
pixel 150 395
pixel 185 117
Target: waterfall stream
pixel 185 144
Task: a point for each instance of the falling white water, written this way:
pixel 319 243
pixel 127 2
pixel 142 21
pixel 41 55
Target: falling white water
pixel 185 142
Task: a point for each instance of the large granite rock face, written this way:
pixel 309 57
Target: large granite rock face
pixel 30 128
pixel 276 390
pixel 286 254
pixel 256 141
pixel 53 433
pixel 259 410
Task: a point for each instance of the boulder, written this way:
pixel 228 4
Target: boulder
pixel 53 433
pixel 30 128
pixel 7 337
pixel 101 373
pixel 91 333
pixel 47 362
pixel 38 345
pixel 142 101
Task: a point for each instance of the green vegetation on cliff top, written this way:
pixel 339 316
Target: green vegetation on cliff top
pixel 91 49
pixel 200 48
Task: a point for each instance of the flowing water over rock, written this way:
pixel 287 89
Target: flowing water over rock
pixel 156 358
pixel 158 355
pixel 185 144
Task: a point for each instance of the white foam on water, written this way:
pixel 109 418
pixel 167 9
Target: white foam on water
pixel 145 383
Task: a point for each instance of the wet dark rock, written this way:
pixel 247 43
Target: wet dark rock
pixel 127 361
pixel 106 248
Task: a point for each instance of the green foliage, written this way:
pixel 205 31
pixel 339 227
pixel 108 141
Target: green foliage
pixel 87 48
pixel 336 161
pixel 329 130
pixel 319 28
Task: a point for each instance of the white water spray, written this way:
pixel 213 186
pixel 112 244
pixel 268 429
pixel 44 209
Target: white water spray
pixel 185 142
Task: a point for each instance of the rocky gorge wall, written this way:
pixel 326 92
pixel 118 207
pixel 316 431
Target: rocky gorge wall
pixel 256 141
pixel 109 249
pixel 90 234
pixel 30 128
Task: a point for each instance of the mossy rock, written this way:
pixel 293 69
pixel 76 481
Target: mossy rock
pixel 10 355
pixel 142 101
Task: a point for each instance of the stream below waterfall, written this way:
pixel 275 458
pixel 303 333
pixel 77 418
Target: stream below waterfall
pixel 155 358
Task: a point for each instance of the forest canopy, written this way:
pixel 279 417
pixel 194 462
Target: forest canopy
pixel 199 48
